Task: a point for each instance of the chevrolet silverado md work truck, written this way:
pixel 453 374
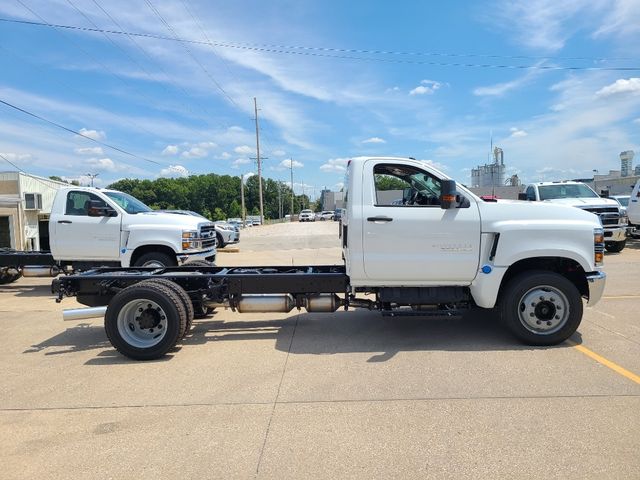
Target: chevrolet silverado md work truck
pixel 429 248
pixel 91 227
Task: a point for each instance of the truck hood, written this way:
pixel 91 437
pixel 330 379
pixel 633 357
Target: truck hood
pixel 584 202
pixel 521 212
pixel 161 219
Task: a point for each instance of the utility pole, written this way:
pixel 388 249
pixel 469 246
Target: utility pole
pixel 92 176
pixel 242 214
pixel 255 106
pixel 292 195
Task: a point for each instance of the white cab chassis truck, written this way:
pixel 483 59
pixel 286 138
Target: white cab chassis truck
pixel 91 227
pixel 580 195
pixel 437 251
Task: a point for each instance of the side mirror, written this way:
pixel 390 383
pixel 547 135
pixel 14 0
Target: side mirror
pixel 522 196
pixel 98 208
pixel 448 194
pixel 604 193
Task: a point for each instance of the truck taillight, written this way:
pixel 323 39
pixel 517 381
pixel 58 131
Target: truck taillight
pixel 598 246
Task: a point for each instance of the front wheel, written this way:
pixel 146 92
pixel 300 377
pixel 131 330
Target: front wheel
pixel 155 259
pixel 541 308
pixel 615 247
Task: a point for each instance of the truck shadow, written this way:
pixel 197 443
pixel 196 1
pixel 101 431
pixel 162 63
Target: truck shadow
pixel 317 334
pixel 367 332
pixel 24 290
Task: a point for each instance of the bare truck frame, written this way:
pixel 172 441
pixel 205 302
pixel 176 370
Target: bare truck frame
pixel 147 311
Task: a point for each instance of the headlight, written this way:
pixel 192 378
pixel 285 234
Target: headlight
pixel 190 240
pixel 598 246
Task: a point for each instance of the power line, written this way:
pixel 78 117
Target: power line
pixel 292 50
pixel 117 149
pixel 195 59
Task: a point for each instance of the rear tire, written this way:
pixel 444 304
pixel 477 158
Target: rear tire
pixel 615 247
pixel 144 321
pixel 155 259
pixel 541 307
pixel 7 278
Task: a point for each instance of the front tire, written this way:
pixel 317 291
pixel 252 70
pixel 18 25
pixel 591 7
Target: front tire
pixel 221 243
pixel 615 247
pixel 541 308
pixel 155 259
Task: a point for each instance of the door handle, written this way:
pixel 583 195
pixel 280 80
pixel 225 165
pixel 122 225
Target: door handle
pixel 379 219
pixel 65 221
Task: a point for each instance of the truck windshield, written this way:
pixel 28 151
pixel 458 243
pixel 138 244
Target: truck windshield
pixel 128 203
pixel 549 192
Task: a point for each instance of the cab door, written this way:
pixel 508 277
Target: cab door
pixel 407 237
pixel 77 236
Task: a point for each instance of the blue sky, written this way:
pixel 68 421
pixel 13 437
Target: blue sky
pixel 324 89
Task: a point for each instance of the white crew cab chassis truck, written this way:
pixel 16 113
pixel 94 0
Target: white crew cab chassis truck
pixel 428 248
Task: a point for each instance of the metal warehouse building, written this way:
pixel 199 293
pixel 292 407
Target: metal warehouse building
pixel 25 206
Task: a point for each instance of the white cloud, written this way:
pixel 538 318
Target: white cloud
pixel 195 152
pixel 620 86
pixel 90 151
pixel 288 163
pixel 426 87
pixel 516 132
pixel 240 161
pixel 637 120
pixel 335 165
pixel 17 157
pixel 170 150
pixel 374 140
pixel 174 171
pixel 104 164
pixel 93 134
pixel 243 150
pixel 247 175
pixel 500 89
pixel 225 155
pixel 338 186
pixel 279 153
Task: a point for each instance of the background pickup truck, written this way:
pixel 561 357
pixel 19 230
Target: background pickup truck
pixel 92 227
pixel 579 195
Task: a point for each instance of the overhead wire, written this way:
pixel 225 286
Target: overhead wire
pixel 291 51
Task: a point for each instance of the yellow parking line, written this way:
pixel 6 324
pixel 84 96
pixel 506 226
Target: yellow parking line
pixel 607 363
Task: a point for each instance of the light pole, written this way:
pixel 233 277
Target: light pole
pixel 92 176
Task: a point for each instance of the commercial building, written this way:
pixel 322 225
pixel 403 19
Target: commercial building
pixel 490 174
pixel 331 200
pixel 626 163
pixel 25 206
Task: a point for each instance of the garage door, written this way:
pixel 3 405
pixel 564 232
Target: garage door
pixel 5 235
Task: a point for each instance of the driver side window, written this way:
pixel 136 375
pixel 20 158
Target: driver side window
pixel 405 185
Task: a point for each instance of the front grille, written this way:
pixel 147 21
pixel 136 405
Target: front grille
pixel 609 216
pixel 208 236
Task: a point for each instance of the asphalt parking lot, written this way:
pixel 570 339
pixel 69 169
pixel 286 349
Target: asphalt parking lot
pixel 344 395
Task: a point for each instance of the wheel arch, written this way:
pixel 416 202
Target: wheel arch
pixel 567 267
pixel 139 251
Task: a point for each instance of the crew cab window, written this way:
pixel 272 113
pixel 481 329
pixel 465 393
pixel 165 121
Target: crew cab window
pixel 531 193
pixel 78 203
pixel 404 185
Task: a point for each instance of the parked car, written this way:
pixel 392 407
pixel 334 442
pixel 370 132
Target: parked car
pixel 623 200
pixel 306 216
pixel 337 215
pixel 225 232
pixel 326 215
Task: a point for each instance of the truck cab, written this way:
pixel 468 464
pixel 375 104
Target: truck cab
pixel 107 227
pixel 580 195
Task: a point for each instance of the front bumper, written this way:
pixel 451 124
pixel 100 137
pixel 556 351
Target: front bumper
pixel 617 234
pixel 208 255
pixel 596 282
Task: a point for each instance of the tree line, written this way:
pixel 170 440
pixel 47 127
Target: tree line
pixel 215 196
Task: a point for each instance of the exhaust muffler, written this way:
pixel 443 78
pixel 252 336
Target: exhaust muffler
pixel 41 271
